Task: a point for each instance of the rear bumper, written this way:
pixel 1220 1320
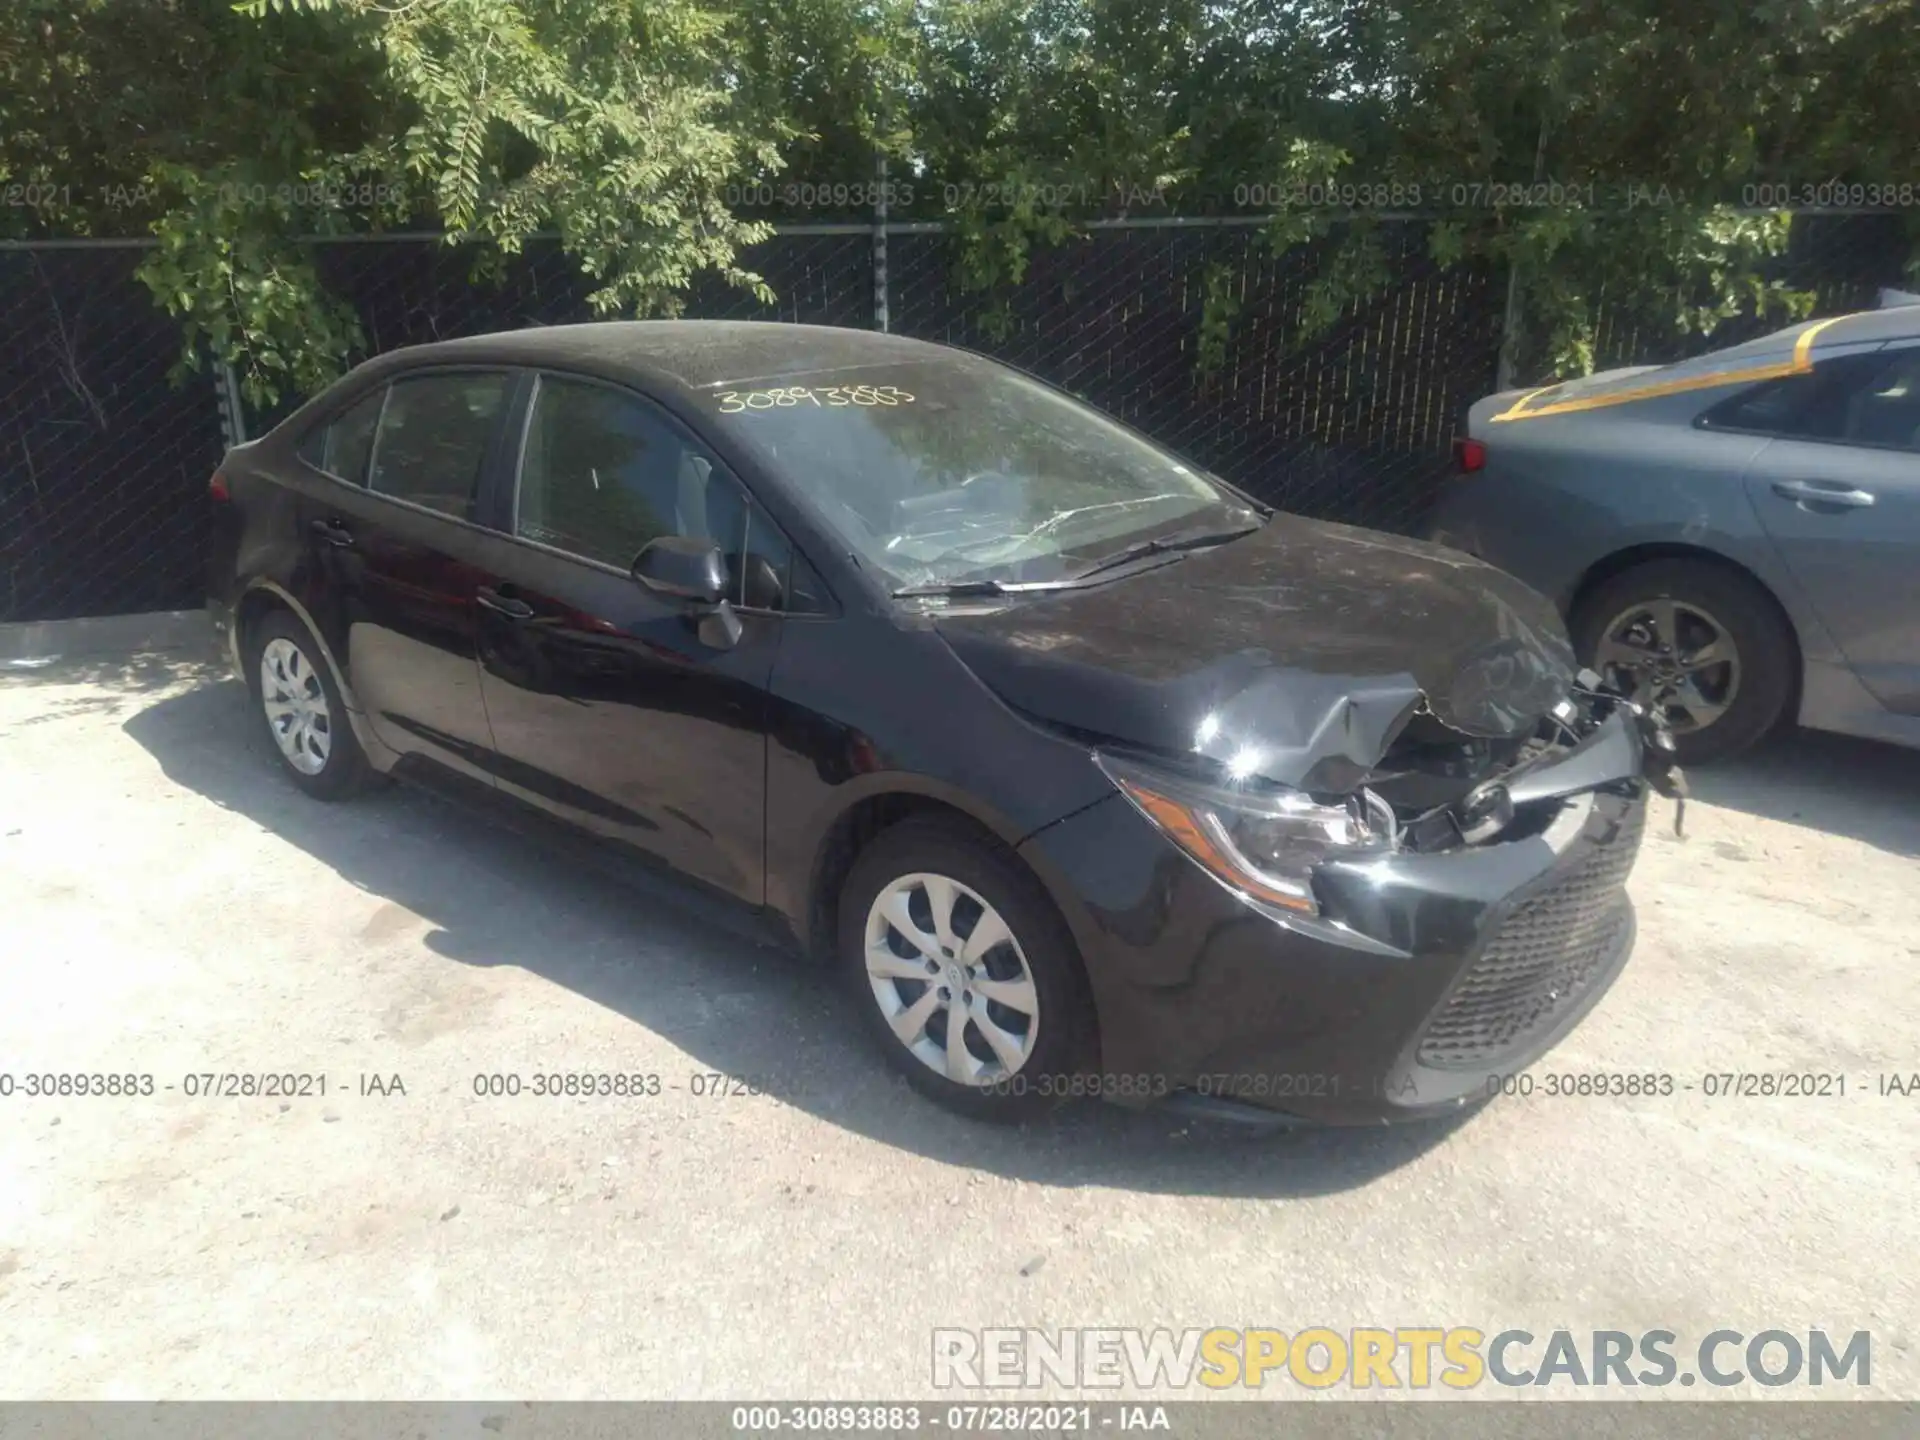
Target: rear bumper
pixel 1426 979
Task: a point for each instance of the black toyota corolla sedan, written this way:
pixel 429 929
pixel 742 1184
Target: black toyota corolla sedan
pixel 1092 774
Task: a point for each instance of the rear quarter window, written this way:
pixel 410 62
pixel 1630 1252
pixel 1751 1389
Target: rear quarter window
pixel 342 445
pixel 1773 408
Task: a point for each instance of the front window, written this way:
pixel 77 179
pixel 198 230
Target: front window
pixel 954 469
pixel 603 474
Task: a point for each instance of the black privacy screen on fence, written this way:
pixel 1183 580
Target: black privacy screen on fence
pixel 104 462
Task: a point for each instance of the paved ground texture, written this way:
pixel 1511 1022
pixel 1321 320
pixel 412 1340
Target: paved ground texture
pixel 170 906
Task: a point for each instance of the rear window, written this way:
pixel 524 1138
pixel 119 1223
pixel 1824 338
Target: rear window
pixel 1593 386
pixel 1698 373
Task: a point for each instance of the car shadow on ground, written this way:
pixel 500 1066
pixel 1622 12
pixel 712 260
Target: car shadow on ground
pixel 495 894
pixel 1862 790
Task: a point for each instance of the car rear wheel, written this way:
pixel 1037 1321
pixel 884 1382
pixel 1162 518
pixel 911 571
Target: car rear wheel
pixel 1701 644
pixel 304 715
pixel 966 976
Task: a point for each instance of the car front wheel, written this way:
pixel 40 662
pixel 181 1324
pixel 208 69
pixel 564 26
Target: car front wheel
pixel 1701 644
pixel 968 979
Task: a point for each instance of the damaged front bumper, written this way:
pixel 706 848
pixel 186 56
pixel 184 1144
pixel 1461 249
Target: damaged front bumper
pixel 1424 976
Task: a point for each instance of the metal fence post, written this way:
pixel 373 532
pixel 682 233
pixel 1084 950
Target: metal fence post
pixel 881 319
pixel 1509 330
pixel 1510 323
pixel 233 420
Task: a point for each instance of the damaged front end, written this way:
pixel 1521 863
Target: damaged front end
pixel 1382 822
pixel 1447 789
pixel 1446 921
pixel 1435 789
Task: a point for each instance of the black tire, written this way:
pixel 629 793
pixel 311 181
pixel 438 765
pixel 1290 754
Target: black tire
pixel 1751 619
pixel 345 771
pixel 1063 1049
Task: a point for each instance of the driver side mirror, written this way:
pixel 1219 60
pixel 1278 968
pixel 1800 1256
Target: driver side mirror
pixel 683 567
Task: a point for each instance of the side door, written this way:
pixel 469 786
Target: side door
pixel 1839 495
pixel 611 706
pixel 398 552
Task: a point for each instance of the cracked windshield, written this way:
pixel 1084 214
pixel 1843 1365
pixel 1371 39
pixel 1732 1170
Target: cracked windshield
pixel 959 470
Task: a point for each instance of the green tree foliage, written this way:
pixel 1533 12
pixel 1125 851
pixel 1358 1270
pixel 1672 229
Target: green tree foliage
pixel 615 126
pixel 1661 121
pixel 230 132
pixel 1601 153
pixel 184 119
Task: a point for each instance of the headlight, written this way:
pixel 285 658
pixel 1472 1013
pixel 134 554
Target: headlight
pixel 1261 841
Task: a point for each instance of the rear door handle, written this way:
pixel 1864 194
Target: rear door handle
pixel 1816 492
pixel 503 604
pixel 333 532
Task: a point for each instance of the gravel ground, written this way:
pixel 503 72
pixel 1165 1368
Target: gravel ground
pixel 173 907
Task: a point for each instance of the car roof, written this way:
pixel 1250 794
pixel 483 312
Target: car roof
pixel 1896 322
pixel 1791 351
pixel 696 353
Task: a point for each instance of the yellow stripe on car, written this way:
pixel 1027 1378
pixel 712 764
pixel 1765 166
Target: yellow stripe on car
pixel 1800 364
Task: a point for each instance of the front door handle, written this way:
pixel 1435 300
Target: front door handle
pixel 1816 492
pixel 503 604
pixel 333 532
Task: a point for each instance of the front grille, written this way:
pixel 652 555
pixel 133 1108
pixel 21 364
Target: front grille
pixel 1551 949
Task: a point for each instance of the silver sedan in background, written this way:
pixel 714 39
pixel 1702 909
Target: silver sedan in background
pixel 1734 539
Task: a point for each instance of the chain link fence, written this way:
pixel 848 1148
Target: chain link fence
pixel 1191 330
pixel 103 461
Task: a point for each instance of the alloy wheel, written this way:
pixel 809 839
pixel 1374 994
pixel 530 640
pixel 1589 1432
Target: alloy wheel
pixel 1673 657
pixel 951 979
pixel 296 706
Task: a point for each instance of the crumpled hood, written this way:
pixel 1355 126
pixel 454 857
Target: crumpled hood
pixel 1297 653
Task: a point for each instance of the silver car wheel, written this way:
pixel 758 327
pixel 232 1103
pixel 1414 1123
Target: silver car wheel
pixel 296 705
pixel 951 979
pixel 1673 657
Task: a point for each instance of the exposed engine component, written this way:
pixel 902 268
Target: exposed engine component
pixel 1449 790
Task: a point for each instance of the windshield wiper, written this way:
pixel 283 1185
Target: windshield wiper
pixel 964 588
pixel 1162 545
pixel 954 587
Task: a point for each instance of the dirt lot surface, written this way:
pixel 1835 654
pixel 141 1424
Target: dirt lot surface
pixel 173 907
